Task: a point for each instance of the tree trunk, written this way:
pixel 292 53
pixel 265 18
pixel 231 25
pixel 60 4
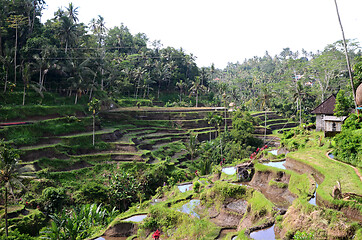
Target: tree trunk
pixel 94 126
pixel 102 82
pixel 197 98
pixel 300 112
pixel 347 58
pixel 24 94
pixel 16 46
pixel 264 125
pixel 6 79
pixel 6 212
pixel 40 74
pixel 76 98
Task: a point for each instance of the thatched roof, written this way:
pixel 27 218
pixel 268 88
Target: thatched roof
pixel 326 107
pixel 359 95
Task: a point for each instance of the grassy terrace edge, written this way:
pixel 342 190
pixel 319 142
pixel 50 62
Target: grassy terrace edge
pixel 333 171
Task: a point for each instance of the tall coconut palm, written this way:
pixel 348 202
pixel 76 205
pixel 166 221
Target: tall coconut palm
pixel 346 53
pixel 298 97
pixel 72 12
pixel 197 88
pixel 94 106
pixel 67 31
pixel 16 21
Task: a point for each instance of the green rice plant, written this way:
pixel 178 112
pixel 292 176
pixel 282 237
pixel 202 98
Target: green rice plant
pixel 278 184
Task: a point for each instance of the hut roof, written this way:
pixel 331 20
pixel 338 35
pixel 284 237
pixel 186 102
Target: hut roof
pixel 359 95
pixel 326 107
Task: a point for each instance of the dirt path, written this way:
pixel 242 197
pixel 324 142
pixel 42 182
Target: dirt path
pixel 354 168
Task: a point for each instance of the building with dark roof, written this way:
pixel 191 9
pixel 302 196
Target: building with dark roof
pixel 325 120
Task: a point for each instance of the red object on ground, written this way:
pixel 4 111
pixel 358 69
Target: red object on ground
pixel 257 150
pixel 13 123
pixel 156 234
pixel 266 146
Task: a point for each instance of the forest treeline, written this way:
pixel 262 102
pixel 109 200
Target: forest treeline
pixel 75 59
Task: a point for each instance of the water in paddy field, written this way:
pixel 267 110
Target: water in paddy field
pixel 274 152
pixel 190 207
pixel 136 218
pixel 264 234
pixel 229 170
pixel 111 238
pixel 276 164
pixel 184 187
pixel 313 200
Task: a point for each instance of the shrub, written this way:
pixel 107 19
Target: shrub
pixel 32 223
pixel 196 187
pixel 92 192
pixel 303 236
pixel 53 199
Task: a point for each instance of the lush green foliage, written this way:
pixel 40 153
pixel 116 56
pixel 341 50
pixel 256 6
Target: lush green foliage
pixel 303 236
pixel 80 223
pixel 348 144
pixel 123 188
pixel 343 104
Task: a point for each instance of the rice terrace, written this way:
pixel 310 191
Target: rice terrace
pixel 103 137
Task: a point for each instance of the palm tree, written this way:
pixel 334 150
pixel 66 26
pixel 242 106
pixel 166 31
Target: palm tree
pixel 6 62
pixel 16 21
pixel 94 107
pixel 72 12
pixel 298 97
pixel 67 31
pixel 10 174
pixel 192 145
pixel 347 58
pixel 181 84
pixel 197 88
pixel 81 76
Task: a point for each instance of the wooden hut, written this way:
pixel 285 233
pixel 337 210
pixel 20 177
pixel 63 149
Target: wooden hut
pixel 325 119
pixel 324 109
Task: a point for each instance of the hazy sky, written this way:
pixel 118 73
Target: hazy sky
pixel 230 30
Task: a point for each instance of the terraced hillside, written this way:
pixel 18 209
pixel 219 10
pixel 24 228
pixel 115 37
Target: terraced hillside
pixel 273 122
pixel 61 144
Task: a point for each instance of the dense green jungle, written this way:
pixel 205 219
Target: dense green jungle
pixel 105 135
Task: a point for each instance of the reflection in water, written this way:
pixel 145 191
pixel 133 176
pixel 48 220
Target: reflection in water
pixel 265 234
pixel 185 187
pixel 229 170
pixel 190 207
pixel 274 152
pixel 136 218
pixel 276 164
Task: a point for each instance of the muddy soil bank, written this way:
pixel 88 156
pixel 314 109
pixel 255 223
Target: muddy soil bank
pixel 122 229
pixel 301 168
pixel 313 221
pixel 229 214
pixel 281 197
